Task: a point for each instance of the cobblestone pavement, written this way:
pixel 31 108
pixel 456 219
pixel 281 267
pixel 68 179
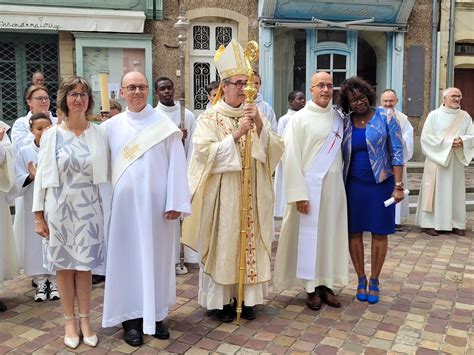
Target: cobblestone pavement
pixel 426 306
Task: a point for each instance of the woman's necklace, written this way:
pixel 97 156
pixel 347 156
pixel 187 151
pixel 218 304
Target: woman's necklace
pixel 74 131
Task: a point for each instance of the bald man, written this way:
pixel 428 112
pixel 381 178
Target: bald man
pixel 313 246
pixel 389 100
pixel 150 191
pixel 447 140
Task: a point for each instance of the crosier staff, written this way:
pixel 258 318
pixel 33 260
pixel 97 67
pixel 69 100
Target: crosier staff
pixel 251 56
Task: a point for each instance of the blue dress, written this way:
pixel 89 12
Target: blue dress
pixel 366 211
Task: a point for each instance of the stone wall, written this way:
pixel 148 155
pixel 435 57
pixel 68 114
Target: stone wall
pixel 419 34
pixel 243 13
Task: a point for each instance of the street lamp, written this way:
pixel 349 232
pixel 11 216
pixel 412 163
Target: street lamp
pixel 182 25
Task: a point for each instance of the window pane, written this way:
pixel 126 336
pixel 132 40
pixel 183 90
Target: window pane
pixel 323 62
pixel 338 78
pixel 201 77
pixel 201 37
pixel 332 36
pixel 223 36
pixel 339 61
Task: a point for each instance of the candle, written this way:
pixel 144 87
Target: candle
pixel 104 91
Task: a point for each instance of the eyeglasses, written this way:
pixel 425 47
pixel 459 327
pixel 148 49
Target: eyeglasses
pixel 75 95
pixel 455 97
pixel 355 100
pixel 238 84
pixel 321 86
pixel 41 98
pixel 133 88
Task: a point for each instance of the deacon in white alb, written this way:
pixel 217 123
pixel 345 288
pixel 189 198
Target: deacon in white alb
pixel 150 191
pixel 313 249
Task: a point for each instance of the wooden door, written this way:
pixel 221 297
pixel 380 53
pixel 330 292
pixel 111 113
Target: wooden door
pixel 463 80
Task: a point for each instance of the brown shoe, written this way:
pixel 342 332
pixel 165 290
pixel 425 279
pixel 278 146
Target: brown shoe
pixel 431 231
pixel 314 300
pixel 329 297
pixel 461 232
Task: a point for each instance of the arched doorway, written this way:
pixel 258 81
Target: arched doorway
pixel 366 62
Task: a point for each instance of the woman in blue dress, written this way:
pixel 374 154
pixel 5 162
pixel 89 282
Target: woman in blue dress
pixel 373 163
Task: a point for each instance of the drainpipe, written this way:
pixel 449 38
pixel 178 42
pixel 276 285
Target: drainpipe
pixel 450 68
pixel 434 53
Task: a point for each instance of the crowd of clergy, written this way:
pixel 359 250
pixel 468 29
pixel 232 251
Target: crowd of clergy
pixel 134 198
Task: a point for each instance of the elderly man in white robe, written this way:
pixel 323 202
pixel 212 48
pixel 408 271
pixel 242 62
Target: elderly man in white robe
pixel 313 250
pixel 8 257
pixel 150 191
pixel 215 178
pixel 389 100
pixel 164 89
pixel 447 140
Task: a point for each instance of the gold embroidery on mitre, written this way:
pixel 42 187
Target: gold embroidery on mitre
pixel 230 60
pixel 131 151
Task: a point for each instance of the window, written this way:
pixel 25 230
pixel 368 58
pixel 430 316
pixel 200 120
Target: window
pixel 464 49
pixel 334 64
pixel 332 36
pixel 207 38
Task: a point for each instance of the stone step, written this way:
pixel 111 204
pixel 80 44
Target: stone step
pixel 414 204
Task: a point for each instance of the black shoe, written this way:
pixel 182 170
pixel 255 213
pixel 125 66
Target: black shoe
pixel 248 313
pixel 226 315
pixel 161 331
pixel 3 307
pixel 132 333
pixel 97 279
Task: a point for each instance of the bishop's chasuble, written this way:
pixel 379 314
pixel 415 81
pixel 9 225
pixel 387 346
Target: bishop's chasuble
pixel 215 179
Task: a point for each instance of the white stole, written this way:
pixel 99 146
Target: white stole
pixel 308 235
pixel 142 142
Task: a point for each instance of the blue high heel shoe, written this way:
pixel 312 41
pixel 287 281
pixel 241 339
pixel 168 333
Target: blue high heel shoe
pixel 373 288
pixel 362 289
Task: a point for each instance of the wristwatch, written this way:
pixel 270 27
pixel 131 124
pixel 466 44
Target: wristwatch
pixel 399 185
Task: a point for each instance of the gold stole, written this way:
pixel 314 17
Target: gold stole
pixel 138 145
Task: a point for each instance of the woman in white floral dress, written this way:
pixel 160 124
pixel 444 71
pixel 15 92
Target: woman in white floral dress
pixel 72 161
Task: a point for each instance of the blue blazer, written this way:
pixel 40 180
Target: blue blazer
pixel 384 143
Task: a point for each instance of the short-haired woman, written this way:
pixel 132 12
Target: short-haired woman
pixel 373 162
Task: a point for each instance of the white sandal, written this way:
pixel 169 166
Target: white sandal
pixel 92 340
pixel 74 341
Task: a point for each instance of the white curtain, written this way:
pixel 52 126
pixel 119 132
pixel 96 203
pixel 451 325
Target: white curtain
pixel 283 66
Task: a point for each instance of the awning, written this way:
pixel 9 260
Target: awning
pixel 14 17
pixel 378 15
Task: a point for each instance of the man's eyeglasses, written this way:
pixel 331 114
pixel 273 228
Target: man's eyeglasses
pixel 355 100
pixel 133 88
pixel 75 95
pixel 321 86
pixel 41 98
pixel 238 84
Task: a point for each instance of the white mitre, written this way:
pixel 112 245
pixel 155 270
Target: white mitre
pixel 230 60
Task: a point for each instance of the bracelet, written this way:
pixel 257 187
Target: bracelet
pixel 40 221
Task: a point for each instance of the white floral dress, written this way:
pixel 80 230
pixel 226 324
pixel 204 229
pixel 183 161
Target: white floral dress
pixel 73 211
